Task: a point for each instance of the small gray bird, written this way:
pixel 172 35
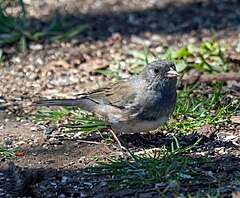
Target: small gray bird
pixel 137 104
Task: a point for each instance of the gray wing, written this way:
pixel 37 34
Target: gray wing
pixel 121 94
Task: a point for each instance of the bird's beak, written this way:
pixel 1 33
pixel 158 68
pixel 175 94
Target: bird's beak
pixel 172 73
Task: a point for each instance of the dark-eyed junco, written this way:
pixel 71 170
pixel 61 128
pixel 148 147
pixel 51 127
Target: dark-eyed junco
pixel 137 104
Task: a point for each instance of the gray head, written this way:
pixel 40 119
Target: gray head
pixel 160 73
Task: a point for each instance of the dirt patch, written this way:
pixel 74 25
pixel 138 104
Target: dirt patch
pixel 57 168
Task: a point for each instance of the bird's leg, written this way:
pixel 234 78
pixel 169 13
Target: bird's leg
pixel 117 140
pixel 124 148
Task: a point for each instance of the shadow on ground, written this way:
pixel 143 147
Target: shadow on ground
pixel 219 176
pixel 214 173
pixel 170 19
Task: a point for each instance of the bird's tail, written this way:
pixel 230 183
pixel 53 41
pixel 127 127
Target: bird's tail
pixel 84 103
pixel 57 102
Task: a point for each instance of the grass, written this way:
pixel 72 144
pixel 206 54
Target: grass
pixel 14 28
pixel 166 170
pixel 79 120
pixel 194 110
pixel 150 169
pixel 6 153
pixel 206 57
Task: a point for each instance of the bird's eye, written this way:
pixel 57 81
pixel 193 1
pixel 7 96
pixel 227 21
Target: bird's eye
pixel 156 70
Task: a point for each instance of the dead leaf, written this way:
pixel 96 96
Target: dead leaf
pixel 19 154
pixel 91 67
pixel 51 66
pixel 206 130
pixel 191 76
pixel 235 119
pixel 116 37
pixel 232 55
pixel 235 194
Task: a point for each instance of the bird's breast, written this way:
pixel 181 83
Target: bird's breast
pixel 137 126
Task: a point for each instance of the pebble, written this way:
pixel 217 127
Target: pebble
pixel 62 196
pixel 53 140
pixel 53 184
pixel 45 146
pixel 36 140
pixel 50 161
pixel 155 37
pixel 20 142
pixel 50 129
pixel 33 128
pixel 230 137
pixel 64 179
pixel 16 60
pixel 35 46
pixel 79 133
pixel 103 184
pixel 7 142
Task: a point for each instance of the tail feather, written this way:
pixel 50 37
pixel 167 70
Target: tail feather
pixel 84 103
pixel 57 102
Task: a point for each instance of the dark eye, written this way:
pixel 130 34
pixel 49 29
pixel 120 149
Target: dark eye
pixel 156 70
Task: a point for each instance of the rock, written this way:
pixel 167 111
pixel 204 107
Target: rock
pixel 35 46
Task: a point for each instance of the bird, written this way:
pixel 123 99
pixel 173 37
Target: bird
pixel 140 103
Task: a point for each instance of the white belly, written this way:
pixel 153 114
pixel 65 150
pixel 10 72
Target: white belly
pixel 137 127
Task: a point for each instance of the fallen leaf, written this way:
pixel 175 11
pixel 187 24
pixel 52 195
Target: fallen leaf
pixel 91 67
pixel 19 154
pixel 235 119
pixel 232 55
pixel 116 37
pixel 206 130
pixel 51 66
pixel 236 194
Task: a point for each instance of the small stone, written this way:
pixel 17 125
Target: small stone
pixel 16 60
pixel 33 128
pixel 53 184
pixel 45 146
pixel 21 142
pixel 34 46
pixel 53 140
pixel 155 37
pixel 39 61
pixel 79 133
pixel 62 196
pixel 50 161
pixel 64 179
pixel 103 184
pixel 50 129
pixel 7 142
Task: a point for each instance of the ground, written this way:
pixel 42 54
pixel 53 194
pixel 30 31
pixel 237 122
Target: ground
pixel 51 163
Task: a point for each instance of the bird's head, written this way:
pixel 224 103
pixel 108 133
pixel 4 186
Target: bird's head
pixel 160 73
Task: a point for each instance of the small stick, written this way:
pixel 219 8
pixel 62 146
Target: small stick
pixel 212 77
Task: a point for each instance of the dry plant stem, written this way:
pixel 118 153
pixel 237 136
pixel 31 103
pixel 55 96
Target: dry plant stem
pixel 220 77
pixel 213 77
pixel 89 142
pixel 9 104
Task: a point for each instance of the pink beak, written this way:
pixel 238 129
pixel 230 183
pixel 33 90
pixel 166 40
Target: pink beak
pixel 172 73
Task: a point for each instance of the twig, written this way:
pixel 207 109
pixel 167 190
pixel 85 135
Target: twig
pixel 213 77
